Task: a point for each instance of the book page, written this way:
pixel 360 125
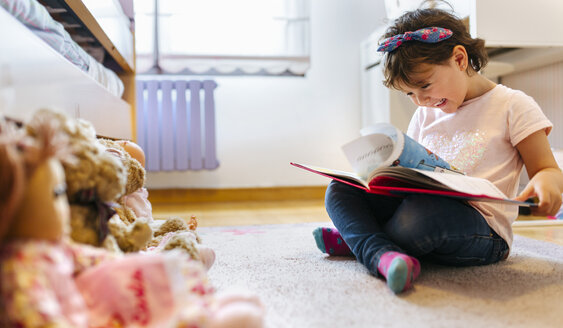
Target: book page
pixel 466 184
pixel 406 175
pixel 333 173
pixel 368 152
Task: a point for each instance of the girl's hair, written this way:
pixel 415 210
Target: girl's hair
pixel 400 63
pixel 21 153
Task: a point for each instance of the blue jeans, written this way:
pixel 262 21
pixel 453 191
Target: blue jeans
pixel 445 230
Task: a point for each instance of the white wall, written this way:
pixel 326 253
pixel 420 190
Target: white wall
pixel 545 85
pixel 263 123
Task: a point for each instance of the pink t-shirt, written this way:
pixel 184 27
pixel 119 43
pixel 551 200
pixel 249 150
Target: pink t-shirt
pixel 480 140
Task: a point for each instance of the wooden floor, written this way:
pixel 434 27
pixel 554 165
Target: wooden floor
pixel 308 207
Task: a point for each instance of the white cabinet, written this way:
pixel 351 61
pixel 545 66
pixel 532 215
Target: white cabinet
pixel 501 23
pixel 515 23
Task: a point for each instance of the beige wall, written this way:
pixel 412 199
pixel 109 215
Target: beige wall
pixel 545 85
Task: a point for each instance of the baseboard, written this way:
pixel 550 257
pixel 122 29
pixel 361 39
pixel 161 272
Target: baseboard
pixel 537 223
pixel 167 196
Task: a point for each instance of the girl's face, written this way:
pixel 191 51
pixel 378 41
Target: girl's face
pixel 439 86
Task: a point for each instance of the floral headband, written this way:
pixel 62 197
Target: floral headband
pixel 426 35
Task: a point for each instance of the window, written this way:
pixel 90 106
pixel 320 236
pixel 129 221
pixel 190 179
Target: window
pixel 222 37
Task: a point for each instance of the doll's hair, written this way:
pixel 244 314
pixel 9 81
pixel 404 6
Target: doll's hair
pixel 403 61
pixel 20 154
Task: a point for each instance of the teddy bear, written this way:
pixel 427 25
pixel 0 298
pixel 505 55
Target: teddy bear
pixel 95 181
pixel 134 206
pixel 47 280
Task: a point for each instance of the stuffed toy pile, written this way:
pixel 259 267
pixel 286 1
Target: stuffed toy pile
pixel 99 183
pixel 47 280
pixel 95 181
pixel 134 207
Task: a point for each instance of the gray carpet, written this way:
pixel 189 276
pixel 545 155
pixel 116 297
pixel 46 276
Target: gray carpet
pixel 301 287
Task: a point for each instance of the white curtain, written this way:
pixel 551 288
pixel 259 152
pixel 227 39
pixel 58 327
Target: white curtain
pixel 267 37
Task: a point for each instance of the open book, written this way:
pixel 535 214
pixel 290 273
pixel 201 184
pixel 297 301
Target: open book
pixel 388 162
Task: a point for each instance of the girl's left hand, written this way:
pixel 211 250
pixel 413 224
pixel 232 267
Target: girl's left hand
pixel 542 186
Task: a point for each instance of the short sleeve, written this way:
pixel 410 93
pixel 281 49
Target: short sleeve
pixel 525 117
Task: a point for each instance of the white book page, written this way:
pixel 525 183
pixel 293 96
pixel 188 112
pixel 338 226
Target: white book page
pixel 466 184
pixel 369 152
pixel 336 173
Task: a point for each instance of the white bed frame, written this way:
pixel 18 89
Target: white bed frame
pixel 33 76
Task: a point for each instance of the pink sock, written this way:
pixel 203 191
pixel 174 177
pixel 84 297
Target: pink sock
pixel 399 269
pixel 330 241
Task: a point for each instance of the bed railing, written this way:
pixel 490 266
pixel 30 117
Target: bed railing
pixel 176 124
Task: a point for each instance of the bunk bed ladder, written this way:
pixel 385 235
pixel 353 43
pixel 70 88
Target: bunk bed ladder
pixel 174 127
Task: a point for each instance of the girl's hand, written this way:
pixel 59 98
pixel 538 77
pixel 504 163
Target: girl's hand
pixel 546 179
pixel 543 186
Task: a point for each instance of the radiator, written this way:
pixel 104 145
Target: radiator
pixel 175 123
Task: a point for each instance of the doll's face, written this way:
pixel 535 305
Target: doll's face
pixel 44 211
pixel 134 150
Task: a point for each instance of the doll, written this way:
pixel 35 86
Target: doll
pixel 48 281
pixel 34 220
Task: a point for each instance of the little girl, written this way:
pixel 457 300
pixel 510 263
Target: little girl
pixel 485 129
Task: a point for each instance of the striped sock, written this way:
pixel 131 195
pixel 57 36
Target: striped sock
pixel 329 241
pixel 399 269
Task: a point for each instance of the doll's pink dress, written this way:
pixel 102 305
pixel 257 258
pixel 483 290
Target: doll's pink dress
pixel 139 203
pixel 37 288
pixel 148 290
pixel 47 284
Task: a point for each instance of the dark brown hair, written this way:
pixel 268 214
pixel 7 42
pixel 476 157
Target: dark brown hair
pixel 402 62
